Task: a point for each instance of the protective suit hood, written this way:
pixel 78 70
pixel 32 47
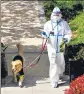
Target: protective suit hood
pixel 56 15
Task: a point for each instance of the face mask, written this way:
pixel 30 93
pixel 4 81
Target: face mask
pixel 56 18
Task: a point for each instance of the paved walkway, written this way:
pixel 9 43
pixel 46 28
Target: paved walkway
pixel 34 85
pixel 21 22
pixel 36 80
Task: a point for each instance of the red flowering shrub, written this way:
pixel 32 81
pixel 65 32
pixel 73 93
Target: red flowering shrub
pixel 76 86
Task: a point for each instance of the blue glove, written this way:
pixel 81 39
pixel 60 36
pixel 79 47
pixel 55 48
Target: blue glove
pixel 44 34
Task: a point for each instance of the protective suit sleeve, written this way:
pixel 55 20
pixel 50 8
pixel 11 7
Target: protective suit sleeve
pixel 45 31
pixel 67 33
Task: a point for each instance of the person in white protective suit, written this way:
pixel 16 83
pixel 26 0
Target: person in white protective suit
pixel 56 31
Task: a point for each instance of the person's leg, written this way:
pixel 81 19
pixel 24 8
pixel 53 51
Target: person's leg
pixel 53 71
pixel 61 63
pixel 54 75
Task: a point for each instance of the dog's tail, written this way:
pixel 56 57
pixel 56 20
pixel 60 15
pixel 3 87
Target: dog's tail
pixel 20 49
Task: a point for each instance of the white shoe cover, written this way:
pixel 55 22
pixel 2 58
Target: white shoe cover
pixel 55 85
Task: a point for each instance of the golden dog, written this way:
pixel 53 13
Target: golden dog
pixel 17 66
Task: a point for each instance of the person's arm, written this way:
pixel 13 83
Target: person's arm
pixel 44 33
pixel 66 36
pixel 67 33
pixel 44 38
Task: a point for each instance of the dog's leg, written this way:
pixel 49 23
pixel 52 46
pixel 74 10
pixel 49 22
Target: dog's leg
pixel 21 80
pixel 15 77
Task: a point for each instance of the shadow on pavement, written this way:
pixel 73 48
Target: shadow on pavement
pixel 28 81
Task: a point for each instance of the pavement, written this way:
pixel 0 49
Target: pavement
pixel 33 85
pixel 36 79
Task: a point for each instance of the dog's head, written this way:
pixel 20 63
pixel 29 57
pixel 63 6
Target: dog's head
pixel 16 66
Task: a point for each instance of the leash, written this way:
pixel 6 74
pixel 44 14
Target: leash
pixel 32 63
pixel 38 57
pixel 43 48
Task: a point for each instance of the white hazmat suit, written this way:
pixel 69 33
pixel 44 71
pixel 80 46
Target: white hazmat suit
pixel 56 29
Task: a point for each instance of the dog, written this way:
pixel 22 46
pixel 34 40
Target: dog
pixel 17 66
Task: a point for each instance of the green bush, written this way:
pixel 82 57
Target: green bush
pixel 49 5
pixel 77 27
pixel 80 54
